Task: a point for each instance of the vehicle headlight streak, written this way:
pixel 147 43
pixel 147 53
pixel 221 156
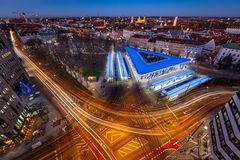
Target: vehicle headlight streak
pixel 67 101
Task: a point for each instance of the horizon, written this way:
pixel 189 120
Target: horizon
pixel 121 8
pixel 127 16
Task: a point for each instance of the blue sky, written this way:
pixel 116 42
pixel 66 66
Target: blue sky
pixel 122 7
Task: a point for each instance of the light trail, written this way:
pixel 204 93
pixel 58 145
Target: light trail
pixel 67 101
pixel 78 113
pixel 163 111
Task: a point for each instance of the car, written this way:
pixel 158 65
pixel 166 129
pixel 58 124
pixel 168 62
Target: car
pixel 36 145
pixel 31 98
pixel 37 93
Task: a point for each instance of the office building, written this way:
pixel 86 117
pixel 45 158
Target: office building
pixel 13 112
pixel 224 131
pixel 11 69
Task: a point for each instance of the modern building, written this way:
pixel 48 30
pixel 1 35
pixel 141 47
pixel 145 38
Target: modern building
pixel 148 66
pixel 224 131
pixel 169 74
pixel 230 49
pixel 11 69
pixel 13 112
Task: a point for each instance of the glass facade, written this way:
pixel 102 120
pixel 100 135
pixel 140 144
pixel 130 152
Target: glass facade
pixel 15 133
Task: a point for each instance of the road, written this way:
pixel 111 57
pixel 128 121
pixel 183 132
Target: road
pixel 65 100
pixel 69 101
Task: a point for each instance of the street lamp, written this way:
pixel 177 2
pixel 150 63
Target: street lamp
pixel 205 127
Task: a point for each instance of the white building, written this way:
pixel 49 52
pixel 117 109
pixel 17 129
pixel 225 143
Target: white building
pixel 139 41
pixel 192 50
pixel 230 49
pixel 46 37
pixel 183 47
pixel 224 131
pixel 233 30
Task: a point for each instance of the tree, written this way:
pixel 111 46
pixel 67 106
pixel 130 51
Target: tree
pixel 34 43
pixel 238 66
pixel 227 61
pixel 62 39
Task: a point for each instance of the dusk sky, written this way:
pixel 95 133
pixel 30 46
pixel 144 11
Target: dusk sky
pixel 121 7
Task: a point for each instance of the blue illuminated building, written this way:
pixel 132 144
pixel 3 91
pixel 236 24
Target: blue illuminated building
pixel 168 74
pixel 121 67
pixel 24 88
pixel 146 61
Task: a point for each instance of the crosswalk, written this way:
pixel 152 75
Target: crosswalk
pixel 113 136
pixel 131 146
pixel 81 146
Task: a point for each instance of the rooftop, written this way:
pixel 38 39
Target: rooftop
pixel 232 46
pixel 146 61
pixel 175 40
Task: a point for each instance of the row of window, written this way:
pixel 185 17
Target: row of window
pixel 233 55
pixel 15 69
pixel 2 45
pixel 162 72
pixel 228 49
pixel 225 147
pixel 6 63
pixel 19 122
pixel 229 128
pixel 235 112
pixel 214 142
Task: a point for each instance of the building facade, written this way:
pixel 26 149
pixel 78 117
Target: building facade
pixel 169 74
pixel 181 47
pixel 233 30
pixel 149 66
pixel 128 33
pixel 10 67
pixel 13 112
pixel 230 49
pixel 224 131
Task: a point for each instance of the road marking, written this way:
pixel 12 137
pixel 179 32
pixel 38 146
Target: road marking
pixel 131 146
pixel 113 136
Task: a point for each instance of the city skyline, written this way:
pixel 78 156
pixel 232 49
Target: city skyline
pixel 73 8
